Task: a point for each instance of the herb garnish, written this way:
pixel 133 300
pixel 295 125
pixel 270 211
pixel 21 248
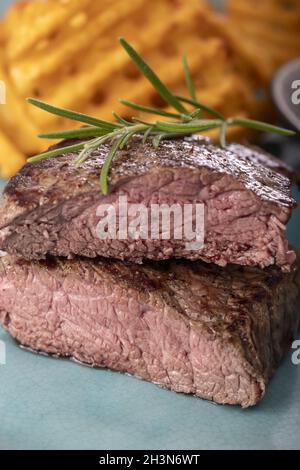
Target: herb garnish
pixel 184 122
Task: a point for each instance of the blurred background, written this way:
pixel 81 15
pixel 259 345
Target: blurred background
pixel 66 52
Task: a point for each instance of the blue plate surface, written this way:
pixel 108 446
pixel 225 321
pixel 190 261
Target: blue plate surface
pixel 48 403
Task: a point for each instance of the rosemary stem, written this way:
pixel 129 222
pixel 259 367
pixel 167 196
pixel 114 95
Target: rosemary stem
pixel 259 125
pixel 196 125
pixel 56 152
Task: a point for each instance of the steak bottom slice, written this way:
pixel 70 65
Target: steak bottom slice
pixel 190 327
pixel 50 207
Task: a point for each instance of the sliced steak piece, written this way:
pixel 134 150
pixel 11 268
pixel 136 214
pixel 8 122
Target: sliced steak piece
pixel 51 207
pixel 188 326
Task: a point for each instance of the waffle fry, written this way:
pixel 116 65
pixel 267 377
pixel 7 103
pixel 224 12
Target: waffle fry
pixel 11 159
pixel 61 53
pixel 48 17
pixel 270 32
pixel 13 115
pixel 281 14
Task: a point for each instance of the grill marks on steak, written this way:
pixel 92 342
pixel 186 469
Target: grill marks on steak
pixel 50 207
pixel 191 327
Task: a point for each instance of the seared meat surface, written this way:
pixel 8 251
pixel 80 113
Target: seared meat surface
pixel 50 207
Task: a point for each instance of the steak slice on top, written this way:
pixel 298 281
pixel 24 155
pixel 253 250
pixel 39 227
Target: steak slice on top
pixel 50 207
pixel 218 333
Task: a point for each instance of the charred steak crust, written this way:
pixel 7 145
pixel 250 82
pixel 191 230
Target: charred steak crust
pixel 190 327
pixel 50 207
pixel 256 155
pixel 45 181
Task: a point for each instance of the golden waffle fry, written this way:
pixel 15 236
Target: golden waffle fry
pixel 11 159
pixel 14 120
pixel 28 22
pixel 62 55
pixel 264 33
pixel 280 13
pixel 270 32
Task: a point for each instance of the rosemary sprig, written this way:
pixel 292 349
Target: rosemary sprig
pixel 195 125
pixel 74 133
pixel 188 78
pixel 105 169
pixel 117 144
pixel 183 122
pixel 162 89
pixel 66 113
pixel 147 109
pixel 214 113
pixel 120 120
pixel 259 126
pixel 223 134
pixel 55 152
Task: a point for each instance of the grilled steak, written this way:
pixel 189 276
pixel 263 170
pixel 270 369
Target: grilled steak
pixel 51 207
pixel 218 333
